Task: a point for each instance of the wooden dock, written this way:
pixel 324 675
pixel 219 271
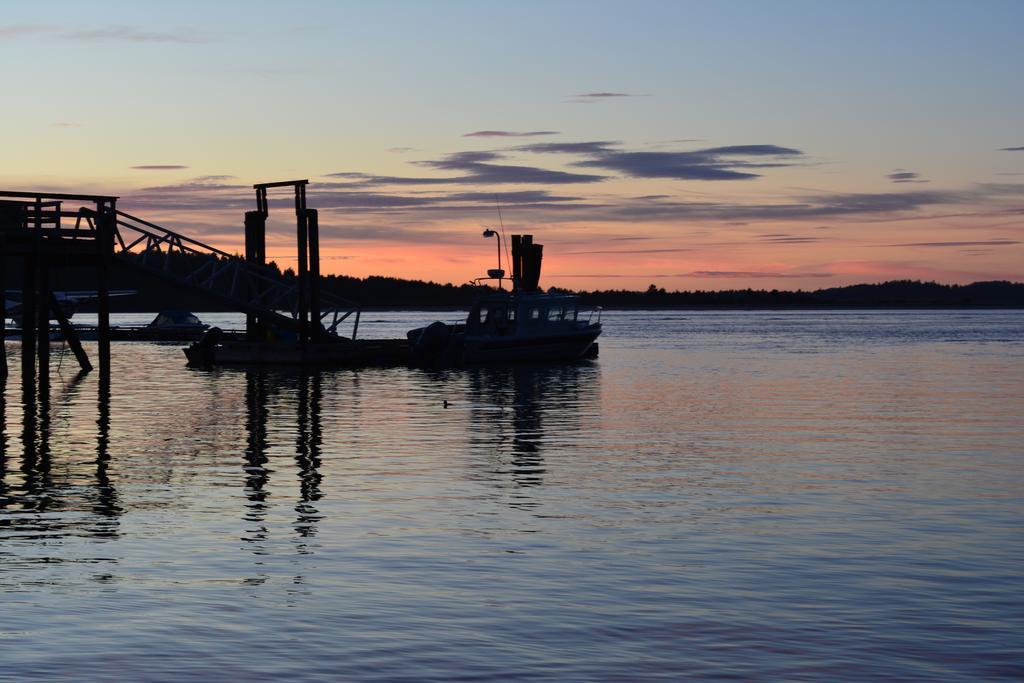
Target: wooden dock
pixel 345 354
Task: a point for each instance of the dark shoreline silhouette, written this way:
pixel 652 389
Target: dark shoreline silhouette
pixel 383 293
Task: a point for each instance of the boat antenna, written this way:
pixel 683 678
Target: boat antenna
pixel 501 223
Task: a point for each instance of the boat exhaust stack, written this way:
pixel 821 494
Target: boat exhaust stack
pixel 526 260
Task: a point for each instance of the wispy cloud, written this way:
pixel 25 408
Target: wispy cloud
pixel 479 168
pixel 476 168
pixel 110 33
pixel 600 96
pixel 508 134
pixel 454 202
pixel 628 251
pixel 65 124
pixel 902 176
pixel 743 274
pixel 979 243
pixel 203 193
pixel 212 193
pixel 603 95
pixel 733 162
pixel 158 167
pixel 542 206
pixel 788 239
pixel 134 34
pixel 1012 149
pixel 21 30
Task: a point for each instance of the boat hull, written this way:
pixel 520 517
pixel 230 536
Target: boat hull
pixel 568 346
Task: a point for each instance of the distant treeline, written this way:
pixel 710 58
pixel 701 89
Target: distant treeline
pixel 893 294
pixel 389 292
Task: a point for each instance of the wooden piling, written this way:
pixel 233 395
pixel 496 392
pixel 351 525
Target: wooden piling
pixel 303 275
pixel 313 233
pixel 255 254
pixel 105 223
pixel 42 297
pixel 28 319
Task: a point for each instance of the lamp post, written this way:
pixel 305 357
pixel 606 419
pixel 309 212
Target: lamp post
pixel 499 273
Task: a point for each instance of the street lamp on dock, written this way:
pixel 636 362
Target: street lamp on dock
pixel 496 273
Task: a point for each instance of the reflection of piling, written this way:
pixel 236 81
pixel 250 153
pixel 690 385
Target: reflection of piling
pixel 307 452
pixel 3 312
pixel 106 494
pixel 256 446
pixel 103 422
pixel 3 433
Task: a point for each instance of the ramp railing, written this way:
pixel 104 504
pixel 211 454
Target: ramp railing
pixel 244 286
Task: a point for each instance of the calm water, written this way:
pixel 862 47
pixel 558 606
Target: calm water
pixel 763 495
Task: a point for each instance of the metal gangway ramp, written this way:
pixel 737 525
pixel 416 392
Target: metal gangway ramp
pixel 242 284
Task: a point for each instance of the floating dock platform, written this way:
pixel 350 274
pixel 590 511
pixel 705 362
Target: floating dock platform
pixel 340 354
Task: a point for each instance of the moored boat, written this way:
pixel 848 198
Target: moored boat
pixel 525 324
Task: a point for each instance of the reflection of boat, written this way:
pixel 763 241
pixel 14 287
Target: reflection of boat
pixel 525 324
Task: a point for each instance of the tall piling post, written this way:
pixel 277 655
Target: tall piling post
pixel 255 254
pixel 43 320
pixel 313 234
pixel 28 320
pixel 40 296
pixel 302 233
pixel 105 224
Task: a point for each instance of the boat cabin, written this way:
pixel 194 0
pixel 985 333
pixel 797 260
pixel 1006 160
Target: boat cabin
pixel 502 314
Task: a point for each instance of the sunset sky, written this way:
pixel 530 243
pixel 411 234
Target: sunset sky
pixel 692 145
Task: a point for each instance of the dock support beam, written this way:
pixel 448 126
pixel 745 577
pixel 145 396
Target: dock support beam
pixel 105 226
pixel 255 254
pixel 313 234
pixel 28 320
pixel 302 230
pixel 70 335
pixel 43 321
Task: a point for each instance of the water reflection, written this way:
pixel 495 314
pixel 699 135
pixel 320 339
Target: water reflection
pixel 3 442
pixel 305 393
pixel 44 499
pixel 519 413
pixel 106 500
pixel 307 453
